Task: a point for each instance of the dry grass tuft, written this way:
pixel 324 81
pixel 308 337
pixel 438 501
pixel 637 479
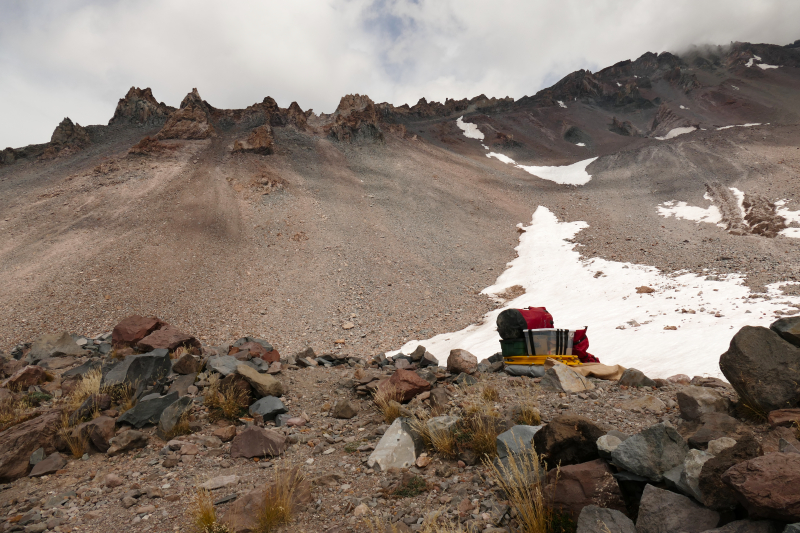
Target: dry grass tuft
pixel 279 499
pixel 88 385
pixel 434 524
pixel 520 477
pixel 528 413
pixel 204 515
pixel 122 394
pixel 482 430
pixel 181 428
pixel 443 441
pixel 387 398
pixel 490 394
pixel 78 444
pixel 15 412
pixel 227 401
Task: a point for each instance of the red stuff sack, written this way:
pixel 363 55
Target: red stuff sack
pixel 512 322
pixel 580 343
pixel 537 318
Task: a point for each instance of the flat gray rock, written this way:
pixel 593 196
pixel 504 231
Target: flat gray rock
pixel 662 511
pixel 516 440
pixel 147 412
pixel 594 519
pixel 652 452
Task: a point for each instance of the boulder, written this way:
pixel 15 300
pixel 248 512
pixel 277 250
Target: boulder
pixel 53 345
pixel 662 511
pixel 561 378
pixel 145 372
pixel 568 440
pixel 225 433
pixel 652 452
pixel 168 338
pixel 752 526
pixel 50 465
pixel 344 409
pixel 223 365
pixel 768 486
pixel 712 426
pixel 697 401
pixel 263 384
pixel 716 494
pixel 439 399
pixel 147 411
pixel 763 368
pixel 126 441
pixel 181 384
pixel 258 142
pixel 635 378
pixel 133 329
pixel 254 441
pixel 788 328
pixel 645 403
pixel 80 371
pixel 573 487
pixel 442 424
pixel 26 377
pixel 408 384
pixel 172 414
pixel 268 407
pixel 594 519
pixel 609 442
pixel 17 443
pixel 461 361
pixel 398 447
pixel 91 405
pixel 784 417
pixel 191 121
pixel 187 364
pixel 516 440
pixel 98 431
pixel 220 482
pixel 686 477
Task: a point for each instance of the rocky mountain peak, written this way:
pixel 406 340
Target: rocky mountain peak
pixel 356 118
pixel 139 106
pixel 70 133
pixel 191 121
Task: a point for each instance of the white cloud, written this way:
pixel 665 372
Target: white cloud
pixel 77 57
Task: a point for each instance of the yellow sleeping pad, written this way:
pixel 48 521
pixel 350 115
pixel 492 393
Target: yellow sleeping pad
pixel 571 360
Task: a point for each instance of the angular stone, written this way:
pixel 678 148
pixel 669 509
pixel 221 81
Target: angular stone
pixel 268 407
pixel 594 519
pixel 344 409
pixel 126 441
pixel 442 424
pixel 763 369
pixel 697 401
pixel 26 377
pixel 133 329
pixel 568 440
pixel 53 345
pixel 662 511
pixel 607 444
pixel 90 406
pixel 220 482
pixel 181 384
pixel 17 443
pixel 172 414
pixel 635 378
pixel 263 384
pixel 187 364
pixel 85 368
pixel 716 494
pixel 242 516
pixel 98 432
pixel 713 426
pixel 50 465
pixel 147 411
pixel 788 328
pixel 408 384
pixel 145 372
pixel 516 440
pixel 652 452
pixel 752 526
pixel 784 417
pixel 37 456
pixel 398 448
pixel 645 403
pixel 461 361
pixel 573 487
pixel 768 486
pixel 254 441
pixel 225 434
pixel 716 446
pixel 168 338
pixel 223 365
pixel 686 477
pixel 561 378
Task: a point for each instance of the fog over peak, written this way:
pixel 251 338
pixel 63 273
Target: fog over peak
pixel 76 58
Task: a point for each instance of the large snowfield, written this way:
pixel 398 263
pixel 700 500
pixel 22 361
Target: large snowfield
pixel 625 328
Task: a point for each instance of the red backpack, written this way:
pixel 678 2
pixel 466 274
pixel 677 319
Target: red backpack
pixel 511 323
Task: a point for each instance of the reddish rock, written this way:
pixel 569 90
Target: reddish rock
pixel 9 368
pixel 133 329
pixel 225 434
pixel 271 356
pixel 186 364
pixel 257 442
pixel 574 487
pixel 259 141
pixel 461 361
pixel 168 337
pixel 784 417
pixel 19 442
pixel 98 431
pixel 716 494
pixel 26 377
pixel 52 464
pixel 191 121
pixel 768 486
pixel 408 384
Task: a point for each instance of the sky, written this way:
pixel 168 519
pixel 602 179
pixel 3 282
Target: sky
pixel 76 58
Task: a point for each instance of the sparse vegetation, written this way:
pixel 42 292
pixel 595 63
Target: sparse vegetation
pixel 14 412
pixel 204 515
pixel 227 401
pixel 75 441
pixel 181 428
pixel 387 398
pixel 88 385
pixel 410 486
pixel 279 499
pixel 528 412
pixel 490 394
pixel 122 394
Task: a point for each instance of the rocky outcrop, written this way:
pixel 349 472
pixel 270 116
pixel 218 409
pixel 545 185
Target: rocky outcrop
pixel 259 141
pixel 666 120
pixel 69 133
pixel 140 107
pixel 568 440
pixel 19 442
pixel 191 121
pixel 623 128
pixel 355 119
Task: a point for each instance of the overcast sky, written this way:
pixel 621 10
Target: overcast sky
pixel 76 58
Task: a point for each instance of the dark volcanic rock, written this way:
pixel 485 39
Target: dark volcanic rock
pixel 355 119
pixel 662 511
pixel 712 426
pixel 594 519
pixel 408 384
pixel 635 378
pixel 716 494
pixel 788 328
pixel 144 372
pixel 191 121
pixel 254 441
pixel 169 338
pixel 98 431
pixel 147 411
pixel 763 368
pixel 133 329
pixel 651 452
pixel 573 487
pixel 140 107
pixel 50 465
pixel 19 442
pixel 568 440
pixel 53 345
pixel 268 407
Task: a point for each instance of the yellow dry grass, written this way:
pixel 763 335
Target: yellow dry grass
pixel 387 398
pixel 278 507
pixel 77 443
pixel 227 401
pixel 204 515
pixel 88 385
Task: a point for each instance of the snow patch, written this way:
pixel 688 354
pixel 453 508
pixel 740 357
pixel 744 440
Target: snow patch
pixel 735 87
pixel 748 125
pixel 619 84
pixel 791 217
pixel 764 66
pixel 711 215
pixel 561 104
pixel 574 174
pixel 683 107
pixel 553 275
pixel 470 130
pixel 580 144
pixel 739 200
pixel 675 132
pixel 501 157
pixel 749 62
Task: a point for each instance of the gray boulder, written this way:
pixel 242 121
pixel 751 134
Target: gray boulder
pixel 788 328
pixel 561 378
pixel 694 402
pixel 53 345
pixel 226 364
pixel 398 448
pixel 147 411
pixel 686 477
pixel 763 368
pixel 594 519
pixel 172 414
pixel 753 526
pixel 651 452
pixel 517 440
pixel 344 409
pixel 80 370
pixel 125 441
pixel 146 372
pixel 662 511
pixel 635 378
pixel 268 407
pixel 792 528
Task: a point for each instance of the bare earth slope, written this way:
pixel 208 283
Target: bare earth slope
pixel 387 217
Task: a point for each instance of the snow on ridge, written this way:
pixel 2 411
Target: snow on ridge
pixel 625 328
pixel 740 200
pixel 764 66
pixel 580 144
pixel 501 157
pixel 561 104
pixel 574 174
pixel 674 132
pixel 470 130
pixel 790 217
pixel 748 125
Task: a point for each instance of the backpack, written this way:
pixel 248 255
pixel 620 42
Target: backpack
pixel 511 322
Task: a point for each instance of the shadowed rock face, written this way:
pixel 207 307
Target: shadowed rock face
pixel 70 133
pixel 192 121
pixel 140 107
pixel 355 119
